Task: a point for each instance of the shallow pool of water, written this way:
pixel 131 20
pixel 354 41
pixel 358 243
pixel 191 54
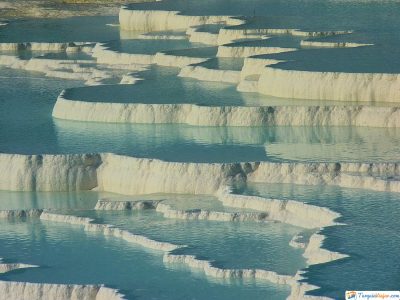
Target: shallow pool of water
pixel 67 254
pixel 370 236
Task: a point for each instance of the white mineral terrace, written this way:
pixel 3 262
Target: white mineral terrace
pixel 128 175
pixel 231 50
pixel 198 214
pixel 134 176
pixel 313 252
pixel 108 204
pixel 8 267
pixel 156 20
pixel 45 291
pixel 321 44
pixel 196 36
pixel 211 271
pixel 286 211
pixel 20 213
pixel 275 82
pixel 48 47
pixel 139 176
pixel 191 114
pixel 371 87
pixel 169 212
pixel 356 87
pixel 28 291
pixel 104 55
pixel 84 70
pixel 107 229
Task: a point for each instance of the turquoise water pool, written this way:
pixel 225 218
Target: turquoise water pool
pixel 67 254
pixel 92 29
pixel 197 144
pixel 261 246
pixel 369 233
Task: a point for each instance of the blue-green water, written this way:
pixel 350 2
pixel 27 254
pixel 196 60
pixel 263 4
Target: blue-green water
pixel 368 59
pixel 306 15
pixel 67 254
pixel 170 89
pixel 375 22
pixel 49 200
pixel 370 236
pixel 145 46
pixel 181 90
pixel 261 245
pixel 26 127
pixel 284 41
pixel 202 52
pixel 74 29
pixel 224 63
pixel 27 54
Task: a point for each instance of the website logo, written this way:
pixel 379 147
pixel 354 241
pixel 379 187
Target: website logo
pixel 372 295
pixel 351 295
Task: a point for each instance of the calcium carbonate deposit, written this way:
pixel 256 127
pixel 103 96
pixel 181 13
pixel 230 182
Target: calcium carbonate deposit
pixel 199 150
